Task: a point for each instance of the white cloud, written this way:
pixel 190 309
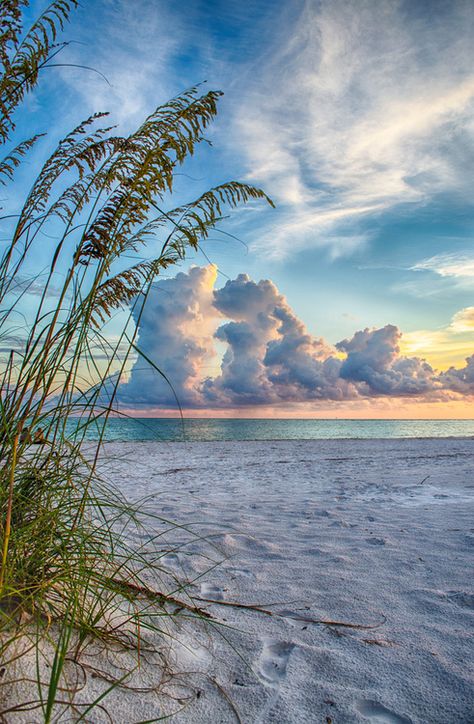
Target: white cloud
pixel 463 321
pixel 133 44
pixel 175 332
pixel 344 109
pixel 269 356
pixel 373 359
pixel 460 265
pixel 365 106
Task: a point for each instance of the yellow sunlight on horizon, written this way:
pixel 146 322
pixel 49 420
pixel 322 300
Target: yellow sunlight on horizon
pixel 446 347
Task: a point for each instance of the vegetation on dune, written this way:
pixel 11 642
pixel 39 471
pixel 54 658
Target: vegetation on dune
pixel 66 562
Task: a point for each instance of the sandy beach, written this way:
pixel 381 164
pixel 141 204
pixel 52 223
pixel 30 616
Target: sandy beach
pixel 376 533
pixel 358 553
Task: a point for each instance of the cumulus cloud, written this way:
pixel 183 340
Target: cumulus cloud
pixel 270 358
pixel 460 380
pixel 175 332
pixel 373 358
pixel 301 366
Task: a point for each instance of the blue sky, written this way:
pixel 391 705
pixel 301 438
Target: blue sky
pixel 355 117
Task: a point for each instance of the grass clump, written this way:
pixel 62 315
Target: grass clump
pixel 68 572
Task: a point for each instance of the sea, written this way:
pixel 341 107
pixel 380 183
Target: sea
pixel 214 429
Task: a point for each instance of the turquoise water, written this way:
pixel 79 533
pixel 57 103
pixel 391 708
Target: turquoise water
pixel 239 429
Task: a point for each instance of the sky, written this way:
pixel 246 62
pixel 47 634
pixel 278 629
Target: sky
pixel 354 296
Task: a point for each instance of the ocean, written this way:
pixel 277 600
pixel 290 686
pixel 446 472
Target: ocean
pixel 202 430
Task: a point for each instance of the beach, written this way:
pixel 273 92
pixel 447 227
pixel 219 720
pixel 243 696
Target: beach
pixel 377 534
pixel 337 575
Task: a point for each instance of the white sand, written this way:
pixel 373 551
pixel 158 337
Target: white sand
pixel 373 532
pixel 342 530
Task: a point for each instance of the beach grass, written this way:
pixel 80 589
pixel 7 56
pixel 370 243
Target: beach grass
pixel 68 572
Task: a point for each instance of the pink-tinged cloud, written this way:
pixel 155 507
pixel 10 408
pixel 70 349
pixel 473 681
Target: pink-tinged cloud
pixel 374 363
pixel 176 332
pixel 460 380
pixel 270 358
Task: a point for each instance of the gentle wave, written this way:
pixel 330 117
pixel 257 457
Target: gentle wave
pixel 202 430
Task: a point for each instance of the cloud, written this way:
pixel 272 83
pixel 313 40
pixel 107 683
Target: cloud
pixel 270 358
pixel 243 377
pixel 34 285
pixel 459 265
pixel 370 106
pixel 463 321
pixel 460 380
pixel 303 366
pixel 340 109
pixel 373 358
pixel 132 47
pixel 175 332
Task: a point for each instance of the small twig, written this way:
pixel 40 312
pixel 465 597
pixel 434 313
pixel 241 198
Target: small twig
pixel 234 604
pixel 162 597
pixel 377 642
pixel 303 619
pixel 227 698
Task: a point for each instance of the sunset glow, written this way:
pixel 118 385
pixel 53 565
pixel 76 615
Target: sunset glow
pixel 368 253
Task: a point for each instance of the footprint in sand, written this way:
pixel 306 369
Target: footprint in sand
pixel 379 714
pixel 375 541
pixel 240 572
pixel 341 524
pixel 274 660
pixel 208 590
pixel 242 541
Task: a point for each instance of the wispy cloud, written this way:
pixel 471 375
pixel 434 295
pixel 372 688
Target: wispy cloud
pixel 133 48
pixel 463 321
pixel 366 105
pixel 340 109
pixel 459 266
